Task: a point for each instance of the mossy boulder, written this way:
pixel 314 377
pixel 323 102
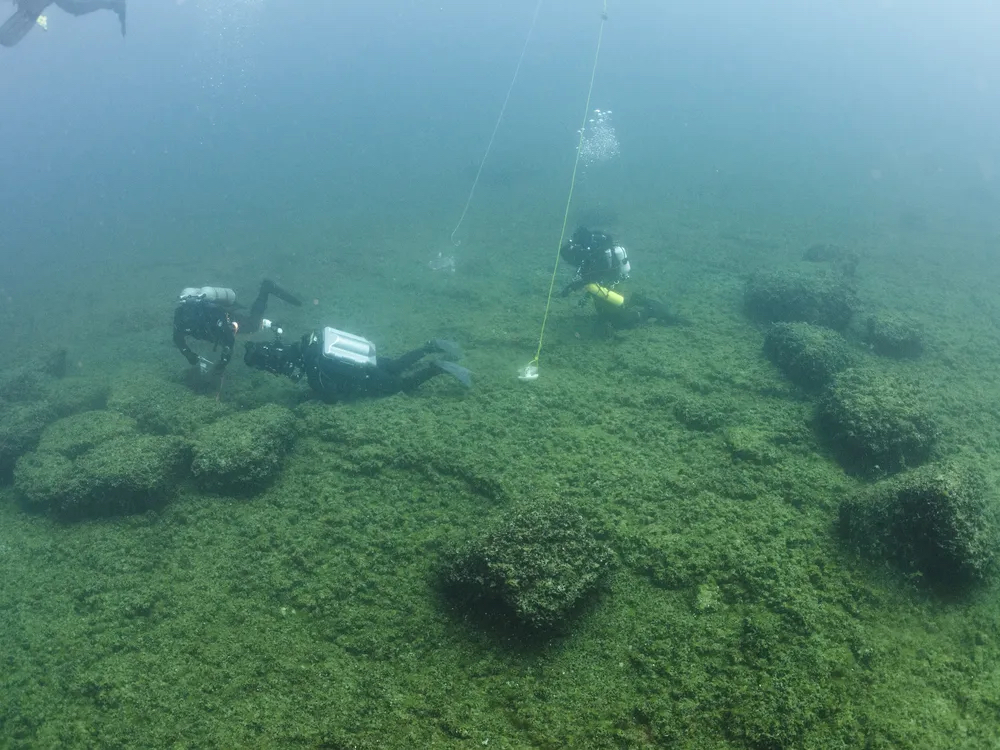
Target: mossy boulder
pixel 785 296
pixel 46 481
pixel 844 260
pixel 75 394
pixel 243 452
pixel 162 407
pixel 938 521
pixel 73 436
pixel 702 414
pixel 533 567
pixel 124 474
pixel 876 425
pixel 751 445
pixel 894 336
pixel 33 380
pixel 21 426
pixel 808 355
pixel 23 383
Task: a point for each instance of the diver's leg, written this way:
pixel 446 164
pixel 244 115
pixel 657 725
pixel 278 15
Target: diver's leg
pixel 382 381
pixel 651 309
pixel 82 7
pixel 417 378
pixel 251 321
pixel 253 318
pixel 280 293
pixel 433 368
pixel 17 27
pixel 399 364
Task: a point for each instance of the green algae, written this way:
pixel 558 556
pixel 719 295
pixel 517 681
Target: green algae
pixel 309 616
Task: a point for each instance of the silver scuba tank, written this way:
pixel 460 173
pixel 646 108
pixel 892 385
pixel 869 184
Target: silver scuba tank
pixel 621 258
pixel 219 294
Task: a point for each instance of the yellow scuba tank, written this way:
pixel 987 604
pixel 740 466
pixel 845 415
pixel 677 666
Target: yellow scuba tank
pixel 602 294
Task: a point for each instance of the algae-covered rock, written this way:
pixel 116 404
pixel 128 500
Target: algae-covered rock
pixel 22 383
pixel 876 425
pixel 842 259
pixel 163 407
pixel 784 296
pixel 939 521
pixel 752 445
pixel 32 380
pixel 45 480
pixel 702 414
pixel 76 393
pixel 535 565
pixel 73 436
pixel 243 452
pixel 21 425
pixel 121 475
pixel 894 336
pixel 808 355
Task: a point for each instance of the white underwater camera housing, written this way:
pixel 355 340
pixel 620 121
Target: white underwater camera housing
pixel 341 346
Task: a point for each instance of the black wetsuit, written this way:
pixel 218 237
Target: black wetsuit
pixel 338 380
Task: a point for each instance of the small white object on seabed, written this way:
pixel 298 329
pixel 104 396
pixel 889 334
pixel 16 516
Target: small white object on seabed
pixel 443 263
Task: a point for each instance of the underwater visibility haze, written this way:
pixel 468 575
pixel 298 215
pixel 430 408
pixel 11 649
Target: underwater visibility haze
pixel 741 491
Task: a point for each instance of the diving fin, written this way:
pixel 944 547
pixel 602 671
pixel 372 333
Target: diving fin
pixel 458 372
pixel 280 293
pixel 17 27
pixel 449 349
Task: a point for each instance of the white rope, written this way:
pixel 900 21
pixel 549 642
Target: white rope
pixel 482 162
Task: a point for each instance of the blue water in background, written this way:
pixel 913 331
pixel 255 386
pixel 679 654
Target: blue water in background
pixel 252 117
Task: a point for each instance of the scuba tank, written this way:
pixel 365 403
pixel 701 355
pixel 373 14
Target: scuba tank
pixel 604 295
pixel 617 260
pixel 218 294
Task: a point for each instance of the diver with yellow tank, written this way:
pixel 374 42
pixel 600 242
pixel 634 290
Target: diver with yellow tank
pixel 600 266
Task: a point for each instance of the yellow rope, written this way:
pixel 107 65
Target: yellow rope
pixel 572 187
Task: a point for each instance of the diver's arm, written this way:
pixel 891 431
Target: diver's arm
pixel 570 288
pixel 227 340
pixel 181 343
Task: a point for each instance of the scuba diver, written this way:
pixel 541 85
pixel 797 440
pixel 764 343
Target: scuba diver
pixel 600 266
pixel 340 365
pixel 28 14
pixel 211 314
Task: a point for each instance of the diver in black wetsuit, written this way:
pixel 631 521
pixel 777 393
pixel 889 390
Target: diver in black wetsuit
pixel 27 13
pixel 210 314
pixel 340 366
pixel 600 266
